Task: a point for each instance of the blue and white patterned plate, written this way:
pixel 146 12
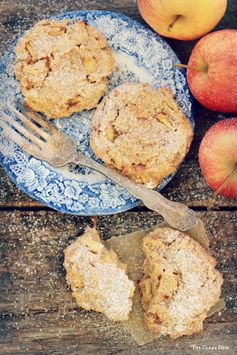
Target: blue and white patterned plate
pixel 141 55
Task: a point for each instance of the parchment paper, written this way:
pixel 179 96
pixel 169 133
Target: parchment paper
pixel 129 249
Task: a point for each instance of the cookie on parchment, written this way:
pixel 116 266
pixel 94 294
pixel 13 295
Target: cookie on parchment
pixel 180 283
pixel 97 277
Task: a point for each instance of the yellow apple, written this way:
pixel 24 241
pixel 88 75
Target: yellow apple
pixel 182 19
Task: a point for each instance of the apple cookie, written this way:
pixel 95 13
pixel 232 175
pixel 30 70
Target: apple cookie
pixel 97 278
pixel 141 131
pixel 180 283
pixel 63 67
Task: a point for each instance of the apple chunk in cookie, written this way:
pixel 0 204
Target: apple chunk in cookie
pixel 180 283
pixel 142 132
pixel 97 277
pixel 218 157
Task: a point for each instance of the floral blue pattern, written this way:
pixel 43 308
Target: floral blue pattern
pixel 80 190
pixel 34 176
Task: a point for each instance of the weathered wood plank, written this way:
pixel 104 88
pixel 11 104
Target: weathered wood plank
pixel 47 333
pixel 189 185
pixel 37 309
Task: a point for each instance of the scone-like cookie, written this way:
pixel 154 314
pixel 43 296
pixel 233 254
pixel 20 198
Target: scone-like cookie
pixel 180 283
pixel 63 67
pixel 140 131
pixel 98 279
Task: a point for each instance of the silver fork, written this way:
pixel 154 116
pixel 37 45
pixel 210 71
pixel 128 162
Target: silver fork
pixel 43 140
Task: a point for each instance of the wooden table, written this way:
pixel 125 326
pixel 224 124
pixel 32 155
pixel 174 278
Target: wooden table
pixel 38 314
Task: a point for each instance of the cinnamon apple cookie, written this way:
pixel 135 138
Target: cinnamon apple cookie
pixel 63 67
pixel 180 283
pixel 141 131
pixel 98 278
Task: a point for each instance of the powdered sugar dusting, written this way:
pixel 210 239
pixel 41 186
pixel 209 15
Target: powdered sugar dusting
pixel 141 132
pixel 97 280
pixel 198 287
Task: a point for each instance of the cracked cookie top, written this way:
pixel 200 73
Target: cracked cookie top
pixel 63 67
pixel 140 131
pixel 180 283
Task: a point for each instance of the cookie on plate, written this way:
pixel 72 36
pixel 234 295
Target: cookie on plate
pixel 141 131
pixel 180 283
pixel 63 67
pixel 97 277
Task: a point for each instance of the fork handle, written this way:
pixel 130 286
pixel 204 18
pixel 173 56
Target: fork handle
pixel 177 215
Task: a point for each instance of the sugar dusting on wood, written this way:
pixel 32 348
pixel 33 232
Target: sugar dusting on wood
pixel 36 301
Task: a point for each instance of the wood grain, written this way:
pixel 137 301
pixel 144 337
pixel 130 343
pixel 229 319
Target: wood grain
pixel 37 307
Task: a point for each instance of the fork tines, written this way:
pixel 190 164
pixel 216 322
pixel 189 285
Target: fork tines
pixel 28 129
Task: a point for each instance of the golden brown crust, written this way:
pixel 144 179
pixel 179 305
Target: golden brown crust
pixel 141 131
pixel 180 283
pixel 63 67
pixel 97 277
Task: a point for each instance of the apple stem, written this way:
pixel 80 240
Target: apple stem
pixel 171 25
pixel 187 67
pixel 225 182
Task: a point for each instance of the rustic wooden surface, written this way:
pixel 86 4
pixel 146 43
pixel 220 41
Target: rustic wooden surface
pixel 38 314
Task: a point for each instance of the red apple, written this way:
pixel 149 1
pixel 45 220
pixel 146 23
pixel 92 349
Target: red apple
pixel 212 73
pixel 218 157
